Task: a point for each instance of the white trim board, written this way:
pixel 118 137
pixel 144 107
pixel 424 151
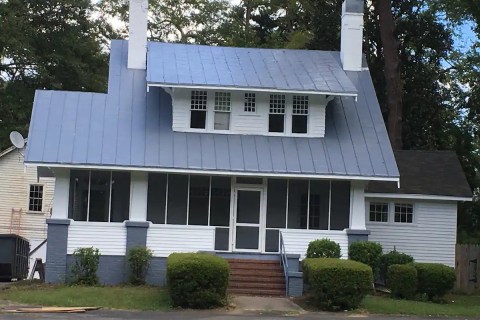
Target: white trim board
pixel 416 196
pixel 215 172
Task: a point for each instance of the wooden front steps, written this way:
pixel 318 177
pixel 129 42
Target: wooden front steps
pixel 256 277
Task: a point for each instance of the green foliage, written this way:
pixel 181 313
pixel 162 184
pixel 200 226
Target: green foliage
pixel 323 248
pixel 84 268
pixel 337 284
pixel 366 252
pixel 197 280
pixel 402 281
pixel 393 257
pixel 138 261
pixel 434 279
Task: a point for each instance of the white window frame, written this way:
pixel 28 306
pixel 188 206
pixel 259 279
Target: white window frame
pixel 391 211
pixel 195 106
pixel 222 104
pixel 300 107
pixel 275 100
pixel 41 199
pixel 250 100
pixel 369 212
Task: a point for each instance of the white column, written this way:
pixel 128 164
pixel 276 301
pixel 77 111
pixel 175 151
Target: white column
pixel 61 193
pixel 357 205
pixel 138 196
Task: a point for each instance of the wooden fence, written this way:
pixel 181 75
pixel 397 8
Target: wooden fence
pixel 467 267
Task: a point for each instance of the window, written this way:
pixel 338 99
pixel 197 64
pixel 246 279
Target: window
pixel 300 114
pixel 276 120
pixel 403 213
pixel 222 111
pixel 35 198
pixel 198 109
pixel 250 103
pixel 378 212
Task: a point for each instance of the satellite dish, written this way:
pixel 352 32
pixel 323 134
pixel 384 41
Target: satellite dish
pixel 17 139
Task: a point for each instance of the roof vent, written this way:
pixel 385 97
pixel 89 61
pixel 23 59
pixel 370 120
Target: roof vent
pixel 137 42
pixel 351 51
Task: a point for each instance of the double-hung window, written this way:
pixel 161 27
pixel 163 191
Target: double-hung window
pixel 276 118
pixel 222 111
pixel 35 199
pixel 198 109
pixel 250 103
pixel 300 114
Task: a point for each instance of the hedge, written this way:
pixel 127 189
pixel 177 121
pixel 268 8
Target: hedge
pixel 323 248
pixel 402 281
pixel 434 279
pixel 366 252
pixel 197 280
pixel 337 284
pixel 393 257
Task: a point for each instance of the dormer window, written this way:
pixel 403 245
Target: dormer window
pixel 198 109
pixel 276 117
pixel 300 114
pixel 222 111
pixel 250 104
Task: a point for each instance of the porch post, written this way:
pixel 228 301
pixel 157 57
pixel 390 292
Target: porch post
pixel 358 230
pixel 138 196
pixel 61 194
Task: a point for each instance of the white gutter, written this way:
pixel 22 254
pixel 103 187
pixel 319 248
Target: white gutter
pixel 416 196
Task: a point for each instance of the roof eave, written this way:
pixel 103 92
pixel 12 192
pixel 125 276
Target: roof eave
pixel 418 196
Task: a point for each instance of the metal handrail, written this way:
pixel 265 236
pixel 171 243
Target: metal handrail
pixel 283 254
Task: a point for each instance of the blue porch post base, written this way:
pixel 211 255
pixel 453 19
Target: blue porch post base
pixel 357 236
pixel 295 284
pixel 56 264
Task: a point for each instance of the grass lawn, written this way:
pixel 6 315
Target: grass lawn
pixel 128 298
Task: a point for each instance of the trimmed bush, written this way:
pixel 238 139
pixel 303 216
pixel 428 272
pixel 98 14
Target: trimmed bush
pixel 393 257
pixel 197 280
pixel 402 281
pixel 138 262
pixel 337 284
pixel 323 248
pixel 84 268
pixel 434 279
pixel 366 252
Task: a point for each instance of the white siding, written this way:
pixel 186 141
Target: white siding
pixel 166 239
pixel 110 238
pixel 296 241
pixel 431 238
pixel 244 122
pixel 15 180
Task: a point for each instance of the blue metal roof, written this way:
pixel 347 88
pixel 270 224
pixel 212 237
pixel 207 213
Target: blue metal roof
pixel 173 64
pixel 130 128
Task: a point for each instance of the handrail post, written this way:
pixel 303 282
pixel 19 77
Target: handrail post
pixel 284 260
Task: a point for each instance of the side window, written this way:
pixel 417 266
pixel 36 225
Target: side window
pixel 35 200
pixel 300 114
pixel 222 111
pixel 198 109
pixel 403 213
pixel 276 118
pixel 250 103
pixel 378 212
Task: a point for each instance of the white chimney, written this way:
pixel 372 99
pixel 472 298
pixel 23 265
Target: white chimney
pixel 137 39
pixel 352 35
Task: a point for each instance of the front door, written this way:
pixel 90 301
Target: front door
pixel 248 219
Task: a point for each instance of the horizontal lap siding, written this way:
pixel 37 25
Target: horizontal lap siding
pixel 109 238
pixel 296 241
pixel 431 239
pixel 164 240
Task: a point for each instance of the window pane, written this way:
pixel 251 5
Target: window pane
pixel 157 188
pixel 177 199
pixel 378 212
pixel 272 241
pixel 319 204
pixel 250 102
pixel 99 195
pixel 276 123
pixel 403 213
pixel 221 239
pixel 276 203
pixel 120 196
pixel 297 204
pixel 198 100
pixel 199 197
pixel 78 204
pixel 35 198
pixel 247 237
pixel 220 202
pixel 198 119
pixel 248 206
pixel 299 124
pixel 222 101
pixel 340 207
pixel 222 121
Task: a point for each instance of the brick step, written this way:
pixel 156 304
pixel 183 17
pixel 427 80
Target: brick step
pixel 257 285
pixel 259 273
pixel 255 267
pixel 258 292
pixel 253 261
pixel 257 278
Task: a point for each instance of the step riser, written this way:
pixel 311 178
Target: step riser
pixel 272 293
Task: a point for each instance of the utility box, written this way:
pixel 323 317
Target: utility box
pixel 14 257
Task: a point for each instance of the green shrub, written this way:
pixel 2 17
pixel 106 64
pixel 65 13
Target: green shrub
pixel 434 279
pixel 402 280
pixel 138 262
pixel 85 265
pixel 366 252
pixel 197 280
pixel 393 257
pixel 323 249
pixel 337 284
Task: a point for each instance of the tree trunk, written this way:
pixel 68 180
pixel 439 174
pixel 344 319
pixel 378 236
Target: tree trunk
pixel 393 81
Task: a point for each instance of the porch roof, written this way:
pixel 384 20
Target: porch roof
pixel 130 128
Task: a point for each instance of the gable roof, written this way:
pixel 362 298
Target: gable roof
pixel 436 173
pixel 131 128
pixel 197 66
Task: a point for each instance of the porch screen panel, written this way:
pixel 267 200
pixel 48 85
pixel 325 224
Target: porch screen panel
pixel 222 239
pixel 340 207
pixel 99 196
pixel 297 204
pixel 276 203
pixel 120 196
pixel 319 204
pixel 177 199
pixel 199 197
pixel 272 241
pixel 220 202
pixel 157 197
pixel 78 195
